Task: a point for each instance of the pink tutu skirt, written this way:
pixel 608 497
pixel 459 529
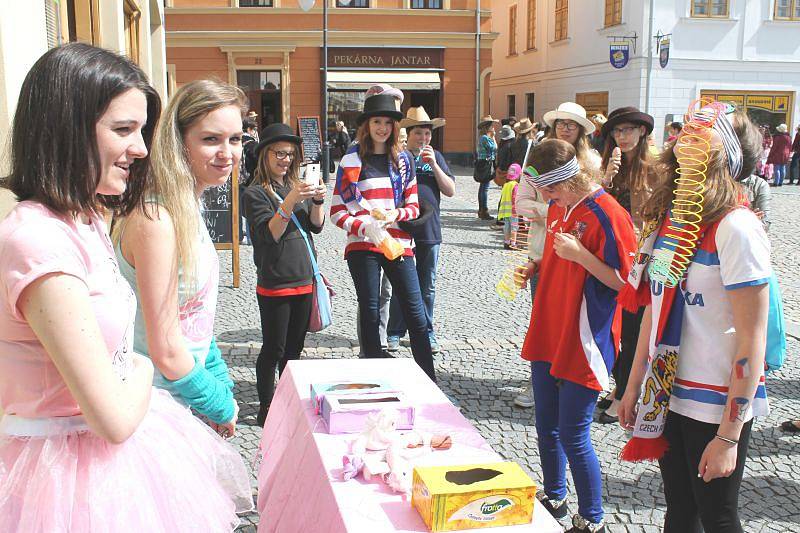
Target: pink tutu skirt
pixel 173 474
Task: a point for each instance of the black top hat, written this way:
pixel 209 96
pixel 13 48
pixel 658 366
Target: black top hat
pixel 627 114
pixel 276 132
pixel 380 105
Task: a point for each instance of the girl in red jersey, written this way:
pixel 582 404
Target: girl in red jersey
pixel 573 340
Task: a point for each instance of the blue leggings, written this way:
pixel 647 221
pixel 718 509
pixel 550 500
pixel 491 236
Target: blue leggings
pixel 563 423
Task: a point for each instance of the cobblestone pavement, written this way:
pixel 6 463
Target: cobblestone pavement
pixel 481 334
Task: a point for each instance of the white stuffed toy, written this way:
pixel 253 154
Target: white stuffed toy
pixel 380 451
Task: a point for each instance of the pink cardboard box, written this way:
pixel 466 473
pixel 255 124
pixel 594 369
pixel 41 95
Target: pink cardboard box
pixel 348 414
pixel 320 390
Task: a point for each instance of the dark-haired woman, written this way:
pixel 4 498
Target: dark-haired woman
pixel 87 443
pixel 629 175
pixel 274 206
pixel 376 187
pixel 702 348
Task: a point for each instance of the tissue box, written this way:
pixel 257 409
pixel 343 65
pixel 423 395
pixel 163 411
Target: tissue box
pixel 348 413
pixel 319 390
pixel 451 498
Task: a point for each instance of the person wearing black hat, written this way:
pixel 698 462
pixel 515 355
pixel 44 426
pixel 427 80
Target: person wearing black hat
pixel 274 205
pixel 376 187
pixel 629 176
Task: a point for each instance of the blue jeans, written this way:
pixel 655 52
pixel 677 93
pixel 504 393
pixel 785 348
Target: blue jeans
pixel 779 172
pixel 365 269
pixel 483 196
pixel 563 423
pixel 794 168
pixel 426 258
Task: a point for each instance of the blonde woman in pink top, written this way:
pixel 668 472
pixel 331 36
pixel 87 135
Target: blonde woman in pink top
pixel 86 443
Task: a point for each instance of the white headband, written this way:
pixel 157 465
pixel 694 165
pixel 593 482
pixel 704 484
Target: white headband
pixel 557 175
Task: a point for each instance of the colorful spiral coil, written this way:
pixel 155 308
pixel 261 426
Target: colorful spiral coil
pixel 669 263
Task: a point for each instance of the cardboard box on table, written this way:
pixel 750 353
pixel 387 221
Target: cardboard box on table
pixel 451 498
pixel 348 413
pixel 319 390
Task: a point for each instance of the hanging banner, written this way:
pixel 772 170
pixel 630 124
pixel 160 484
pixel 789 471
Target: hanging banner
pixel 663 52
pixel 619 53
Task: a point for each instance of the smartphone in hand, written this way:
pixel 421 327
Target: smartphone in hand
pixel 311 174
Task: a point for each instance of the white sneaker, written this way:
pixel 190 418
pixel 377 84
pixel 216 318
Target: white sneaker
pixel 525 398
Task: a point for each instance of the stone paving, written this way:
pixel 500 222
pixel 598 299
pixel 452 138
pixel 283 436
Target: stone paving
pixel 480 335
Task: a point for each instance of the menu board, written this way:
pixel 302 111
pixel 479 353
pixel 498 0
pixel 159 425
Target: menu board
pixel 220 208
pixel 308 129
pixel 218 212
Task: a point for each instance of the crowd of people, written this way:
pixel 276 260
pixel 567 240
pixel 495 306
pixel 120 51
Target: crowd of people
pixel 640 266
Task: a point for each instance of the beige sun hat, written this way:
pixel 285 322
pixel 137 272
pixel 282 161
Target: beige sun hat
pixel 486 120
pixel 782 128
pixel 417 116
pixel 523 126
pixel 570 111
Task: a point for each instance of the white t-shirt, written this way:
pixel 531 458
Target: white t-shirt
pixel 708 338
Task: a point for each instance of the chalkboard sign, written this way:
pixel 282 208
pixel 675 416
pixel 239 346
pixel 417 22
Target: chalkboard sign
pixel 218 212
pixel 221 215
pixel 308 129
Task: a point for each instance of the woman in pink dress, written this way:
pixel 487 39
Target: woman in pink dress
pixel 87 444
pixel 763 168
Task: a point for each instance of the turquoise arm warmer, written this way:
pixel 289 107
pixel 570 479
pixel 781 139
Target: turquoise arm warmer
pixel 217 366
pixel 205 394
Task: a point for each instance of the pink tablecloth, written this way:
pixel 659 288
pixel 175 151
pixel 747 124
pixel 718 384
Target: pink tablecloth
pixel 300 490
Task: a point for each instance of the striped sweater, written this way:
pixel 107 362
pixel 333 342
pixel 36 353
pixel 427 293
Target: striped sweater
pixel 374 191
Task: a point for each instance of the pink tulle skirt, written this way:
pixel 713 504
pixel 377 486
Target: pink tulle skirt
pixel 173 474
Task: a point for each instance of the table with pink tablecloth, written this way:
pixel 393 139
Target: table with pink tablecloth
pixel 300 488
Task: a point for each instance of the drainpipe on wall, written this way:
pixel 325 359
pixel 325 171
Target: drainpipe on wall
pixel 649 57
pixel 477 69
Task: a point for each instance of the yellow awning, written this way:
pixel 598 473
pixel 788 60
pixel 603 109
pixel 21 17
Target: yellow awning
pixel 362 81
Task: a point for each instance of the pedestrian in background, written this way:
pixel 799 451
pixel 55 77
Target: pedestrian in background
pixel 283 211
pixel 596 138
pixel 505 139
pixel 487 155
pixel 629 174
pixel 673 130
pixel 794 165
pixel 375 189
pixel 709 346
pixel 779 154
pixel 587 254
pixel 434 179
pixel 763 168
pixel 84 433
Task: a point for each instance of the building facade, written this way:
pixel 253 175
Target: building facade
pixel 742 51
pixel 28 29
pixel 273 49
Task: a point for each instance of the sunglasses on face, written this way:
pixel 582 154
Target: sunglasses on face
pixel 280 154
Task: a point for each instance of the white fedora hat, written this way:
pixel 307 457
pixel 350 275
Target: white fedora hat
pixel 570 111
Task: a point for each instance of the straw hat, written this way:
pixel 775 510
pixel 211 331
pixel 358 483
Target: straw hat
pixel 487 120
pixel 570 111
pixel 781 128
pixel 417 116
pixel 523 126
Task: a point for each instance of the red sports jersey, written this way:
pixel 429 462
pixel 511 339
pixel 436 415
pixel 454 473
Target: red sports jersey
pixel 575 324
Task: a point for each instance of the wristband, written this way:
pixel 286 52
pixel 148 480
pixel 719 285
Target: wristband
pixel 283 214
pixel 726 439
pixel 317 202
